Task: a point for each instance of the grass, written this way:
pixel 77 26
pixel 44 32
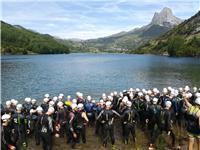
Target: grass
pixel 94 142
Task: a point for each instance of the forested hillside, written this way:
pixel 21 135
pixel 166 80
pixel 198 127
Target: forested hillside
pixel 18 40
pixel 183 40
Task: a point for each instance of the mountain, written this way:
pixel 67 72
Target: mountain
pixel 165 18
pixel 126 41
pixel 76 45
pixel 183 40
pixel 16 39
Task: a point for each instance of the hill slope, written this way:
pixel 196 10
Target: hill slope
pixel 125 41
pixel 18 40
pixel 183 40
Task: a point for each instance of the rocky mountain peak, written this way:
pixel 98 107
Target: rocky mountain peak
pixel 166 11
pixel 165 18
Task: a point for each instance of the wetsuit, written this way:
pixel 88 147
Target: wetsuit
pixel 20 125
pixel 34 106
pixel 162 100
pixel 45 107
pixel 107 118
pixel 129 119
pixel 89 108
pixel 27 107
pixel 140 106
pixel 71 129
pixel 153 123
pixel 98 126
pixel 31 121
pixel 6 142
pixel 38 127
pixel 46 131
pixel 115 102
pixel 61 119
pixel 165 124
pixel 118 103
pixel 80 100
pixel 80 126
pixel 193 127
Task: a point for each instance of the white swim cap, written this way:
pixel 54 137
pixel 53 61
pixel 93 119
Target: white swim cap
pixel 137 89
pixel 68 97
pixel 19 106
pixel 110 98
pixel 197 100
pixel 33 101
pixel 46 100
pixel 140 94
pixel 61 94
pixel 89 98
pixel 27 99
pixel 187 88
pixel 74 106
pixel 165 91
pixel 125 99
pixel 5 117
pixel 15 102
pixel 8 103
pixel 108 104
pixel 129 104
pixel 55 98
pixel 60 104
pixel 51 103
pixel 46 95
pixel 80 106
pixel 39 109
pixel 168 104
pixel 74 101
pixel 155 100
pixel 51 110
pixel 131 90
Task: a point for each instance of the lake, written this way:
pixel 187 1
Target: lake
pixel 34 75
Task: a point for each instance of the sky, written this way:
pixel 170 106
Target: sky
pixel 88 19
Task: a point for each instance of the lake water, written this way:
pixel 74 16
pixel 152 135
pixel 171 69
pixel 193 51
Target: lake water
pixel 34 75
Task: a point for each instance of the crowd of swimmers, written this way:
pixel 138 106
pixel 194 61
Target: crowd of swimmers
pixel 63 117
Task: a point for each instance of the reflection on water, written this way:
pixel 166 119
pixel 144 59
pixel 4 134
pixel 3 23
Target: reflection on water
pixel 93 74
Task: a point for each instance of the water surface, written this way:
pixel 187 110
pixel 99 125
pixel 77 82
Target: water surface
pixel 35 75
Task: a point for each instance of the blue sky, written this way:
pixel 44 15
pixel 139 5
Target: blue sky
pixel 87 19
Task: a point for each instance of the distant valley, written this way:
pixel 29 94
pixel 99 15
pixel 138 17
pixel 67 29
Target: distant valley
pixel 164 35
pixel 126 41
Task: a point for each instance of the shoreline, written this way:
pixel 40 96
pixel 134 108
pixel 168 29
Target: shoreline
pixel 162 55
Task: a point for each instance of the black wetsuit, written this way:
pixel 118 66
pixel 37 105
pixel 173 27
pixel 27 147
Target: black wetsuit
pixel 153 123
pixel 80 126
pixel 45 107
pixel 38 127
pixel 107 118
pixel 61 119
pixel 129 119
pixel 46 131
pixel 6 140
pixel 20 125
pixel 165 123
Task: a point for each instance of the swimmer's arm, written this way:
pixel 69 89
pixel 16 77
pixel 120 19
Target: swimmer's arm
pixel 85 116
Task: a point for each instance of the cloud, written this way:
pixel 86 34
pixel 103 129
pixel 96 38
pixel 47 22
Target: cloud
pixel 89 18
pixel 89 34
pixel 50 25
